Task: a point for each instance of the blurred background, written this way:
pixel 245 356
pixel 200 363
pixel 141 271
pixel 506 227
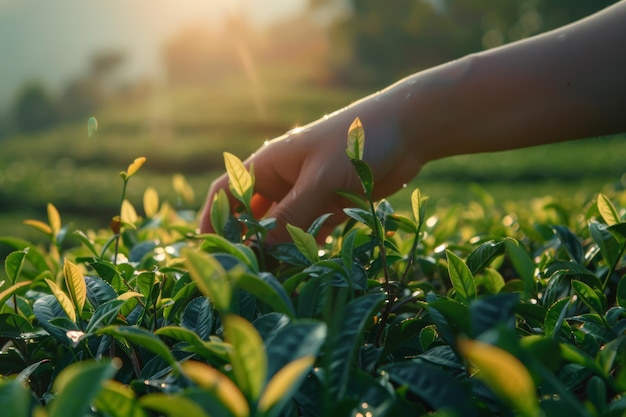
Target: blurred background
pixel 181 82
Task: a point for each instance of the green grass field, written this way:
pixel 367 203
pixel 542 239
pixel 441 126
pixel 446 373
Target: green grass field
pixel 186 130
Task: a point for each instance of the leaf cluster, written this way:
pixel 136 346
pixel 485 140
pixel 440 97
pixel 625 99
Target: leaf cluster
pixel 464 312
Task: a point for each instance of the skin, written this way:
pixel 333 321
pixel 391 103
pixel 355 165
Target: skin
pixel 562 85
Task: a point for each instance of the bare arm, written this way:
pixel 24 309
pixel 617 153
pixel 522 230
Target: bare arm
pixel 565 84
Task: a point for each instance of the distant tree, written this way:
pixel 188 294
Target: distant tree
pixel 377 42
pixel 34 108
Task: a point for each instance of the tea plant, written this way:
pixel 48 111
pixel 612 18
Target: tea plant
pixel 465 312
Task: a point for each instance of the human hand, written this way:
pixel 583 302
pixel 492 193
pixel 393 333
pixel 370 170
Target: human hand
pixel 297 175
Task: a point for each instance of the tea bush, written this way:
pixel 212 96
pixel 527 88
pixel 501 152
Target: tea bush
pixel 465 312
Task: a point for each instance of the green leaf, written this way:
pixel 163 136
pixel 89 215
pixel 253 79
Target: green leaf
pixel 247 357
pixel 7 293
pixel 77 386
pixel 293 341
pixel 63 299
pixel 240 180
pixel 364 172
pixel 461 278
pixel 571 243
pixel 143 338
pixel 266 293
pixel 523 264
pixel 362 216
pixel 80 235
pixel 206 350
pixel 220 212
pixel 15 400
pixel 555 317
pixel 483 255
pixel 607 210
pixel 589 297
pixel 304 242
pixel 118 400
pixel 607 243
pixel 354 316
pixel 172 406
pixel 433 385
pixel 214 243
pixel 210 278
pixel 75 283
pixel 284 385
pixel 198 317
pixel 418 206
pixel 104 314
pixel 504 374
pixel 13 264
pixel 356 140
pixel 210 379
pixel 621 293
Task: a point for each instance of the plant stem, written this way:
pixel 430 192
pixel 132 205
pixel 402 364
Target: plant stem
pixel 119 234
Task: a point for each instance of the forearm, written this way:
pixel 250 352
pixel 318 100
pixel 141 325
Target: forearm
pixel 562 85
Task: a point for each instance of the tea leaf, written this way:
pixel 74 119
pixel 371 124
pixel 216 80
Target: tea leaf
pixel 239 178
pixel 4 295
pixel 556 316
pixel 150 202
pixel 13 264
pixel 172 406
pixel 364 172
pixel 607 210
pixel 418 206
pixel 461 278
pixel 220 212
pixel 134 166
pixel 143 338
pixel 248 356
pixel 589 297
pixel 504 374
pixel 182 188
pixel 210 278
pixel 304 242
pixel 78 384
pixel 75 284
pixel 284 384
pixel 128 213
pixel 39 225
pixel 15 398
pixel 210 378
pixel 63 299
pixel 621 293
pixel 54 219
pixel 356 140
pixel 118 400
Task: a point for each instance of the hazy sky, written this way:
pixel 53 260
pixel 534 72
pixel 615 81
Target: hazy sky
pixel 52 40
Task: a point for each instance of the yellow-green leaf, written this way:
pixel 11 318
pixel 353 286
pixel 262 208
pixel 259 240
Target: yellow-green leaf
pixel 75 283
pixel 182 187
pixel 304 242
pixel 128 213
pixel 504 374
pixel 417 204
pixel 39 225
pixel 356 140
pixel 134 166
pixel 150 202
pixel 210 277
pixel 4 295
pixel 247 357
pixel 607 210
pixel 238 176
pixel 284 381
pixel 54 219
pixel 210 378
pixel 63 299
